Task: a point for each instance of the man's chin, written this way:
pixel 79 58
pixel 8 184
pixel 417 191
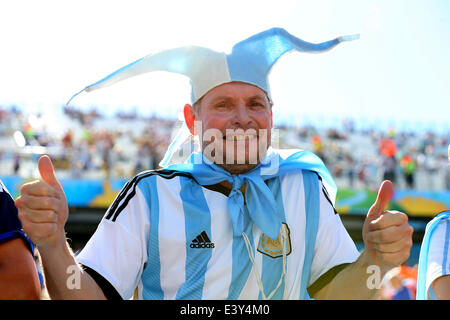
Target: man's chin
pixel 234 166
pixel 238 165
pixel 238 168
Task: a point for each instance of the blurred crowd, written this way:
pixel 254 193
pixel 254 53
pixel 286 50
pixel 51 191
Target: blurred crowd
pixel 364 158
pixel 399 283
pixel 87 144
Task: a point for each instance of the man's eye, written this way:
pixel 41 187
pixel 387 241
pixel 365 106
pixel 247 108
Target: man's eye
pixel 257 104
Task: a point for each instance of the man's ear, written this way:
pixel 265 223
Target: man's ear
pixel 189 117
pixel 271 117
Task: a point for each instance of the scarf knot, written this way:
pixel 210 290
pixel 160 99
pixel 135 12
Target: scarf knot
pixel 260 202
pixel 237 182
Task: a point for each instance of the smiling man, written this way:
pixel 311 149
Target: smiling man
pixel 237 220
pixel 235 120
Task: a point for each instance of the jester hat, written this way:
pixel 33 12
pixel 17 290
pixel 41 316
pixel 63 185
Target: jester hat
pixel 250 61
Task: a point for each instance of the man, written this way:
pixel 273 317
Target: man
pixel 434 265
pixel 235 221
pixel 434 262
pixel 18 274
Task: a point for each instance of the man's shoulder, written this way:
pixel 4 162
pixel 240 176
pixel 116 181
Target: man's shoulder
pixel 438 230
pixel 8 210
pixel 301 172
pixel 10 225
pixel 144 185
pixel 165 174
pixel 299 161
pixel 440 221
pixel 4 193
pixel 148 179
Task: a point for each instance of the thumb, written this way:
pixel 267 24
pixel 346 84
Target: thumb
pixel 384 196
pixel 48 172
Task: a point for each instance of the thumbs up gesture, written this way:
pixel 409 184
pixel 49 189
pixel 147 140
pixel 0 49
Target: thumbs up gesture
pixel 42 207
pixel 386 234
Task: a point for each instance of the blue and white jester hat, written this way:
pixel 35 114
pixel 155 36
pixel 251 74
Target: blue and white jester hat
pixel 250 61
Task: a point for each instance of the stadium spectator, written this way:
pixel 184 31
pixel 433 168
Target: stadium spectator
pixel 18 274
pixel 67 140
pixel 447 170
pixel 388 166
pixel 16 163
pixel 434 267
pixel 408 166
pixel 399 284
pixel 434 260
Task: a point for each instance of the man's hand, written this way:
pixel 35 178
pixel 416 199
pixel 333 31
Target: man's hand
pixel 388 240
pixel 42 207
pixel 43 211
pixel 386 234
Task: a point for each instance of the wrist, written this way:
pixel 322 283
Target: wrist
pixel 368 260
pixel 58 247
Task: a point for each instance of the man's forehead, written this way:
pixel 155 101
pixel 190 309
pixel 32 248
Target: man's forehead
pixel 235 89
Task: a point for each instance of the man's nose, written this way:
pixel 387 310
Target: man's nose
pixel 241 116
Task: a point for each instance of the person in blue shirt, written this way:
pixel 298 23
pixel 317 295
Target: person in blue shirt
pixel 18 274
pixel 434 263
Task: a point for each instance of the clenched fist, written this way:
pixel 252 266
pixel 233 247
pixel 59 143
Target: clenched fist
pixel 387 234
pixel 42 207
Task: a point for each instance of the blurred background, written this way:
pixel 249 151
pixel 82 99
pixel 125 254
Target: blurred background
pixel 373 109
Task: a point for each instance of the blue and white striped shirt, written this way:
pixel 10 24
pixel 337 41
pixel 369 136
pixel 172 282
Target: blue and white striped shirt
pixel 434 259
pixel 172 238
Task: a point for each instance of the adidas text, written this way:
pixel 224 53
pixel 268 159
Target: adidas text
pixel 202 245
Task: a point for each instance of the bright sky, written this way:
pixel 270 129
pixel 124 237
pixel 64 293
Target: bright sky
pixel 397 73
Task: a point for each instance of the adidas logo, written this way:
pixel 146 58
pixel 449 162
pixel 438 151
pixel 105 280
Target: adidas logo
pixel 202 241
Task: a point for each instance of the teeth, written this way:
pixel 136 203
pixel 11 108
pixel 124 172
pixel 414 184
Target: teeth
pixel 240 137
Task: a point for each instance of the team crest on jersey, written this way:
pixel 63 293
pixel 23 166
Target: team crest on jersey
pixel 273 248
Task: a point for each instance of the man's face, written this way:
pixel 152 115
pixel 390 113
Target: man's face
pixel 236 122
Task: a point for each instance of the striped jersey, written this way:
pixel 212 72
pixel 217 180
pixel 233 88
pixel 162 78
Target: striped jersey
pixel 171 238
pixel 438 263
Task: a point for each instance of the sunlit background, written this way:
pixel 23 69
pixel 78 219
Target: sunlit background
pixel 396 74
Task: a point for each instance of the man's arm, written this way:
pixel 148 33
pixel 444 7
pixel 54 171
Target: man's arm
pixel 351 283
pixel 64 277
pixel 388 240
pixel 18 274
pixel 43 212
pixel 441 287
